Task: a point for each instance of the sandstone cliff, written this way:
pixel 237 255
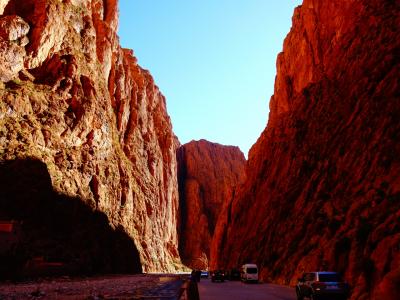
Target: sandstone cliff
pixel 208 175
pixel 323 180
pixel 74 100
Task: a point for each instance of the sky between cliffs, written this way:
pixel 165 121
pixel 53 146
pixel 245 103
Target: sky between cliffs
pixel 214 60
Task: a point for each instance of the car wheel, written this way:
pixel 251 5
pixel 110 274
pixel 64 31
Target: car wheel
pixel 299 296
pixel 314 297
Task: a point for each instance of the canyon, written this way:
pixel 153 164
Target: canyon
pixel 323 187
pixel 94 180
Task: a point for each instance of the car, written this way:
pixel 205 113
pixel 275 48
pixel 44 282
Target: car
pixel 249 273
pixel 217 275
pixel 234 274
pixel 204 274
pixel 322 285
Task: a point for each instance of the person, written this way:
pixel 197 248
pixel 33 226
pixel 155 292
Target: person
pixel 193 275
pixel 198 275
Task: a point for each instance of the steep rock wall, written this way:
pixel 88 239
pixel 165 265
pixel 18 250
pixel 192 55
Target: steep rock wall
pixel 323 180
pixel 73 99
pixel 208 175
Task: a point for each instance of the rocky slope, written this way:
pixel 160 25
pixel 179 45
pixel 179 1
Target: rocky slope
pixel 74 100
pixel 323 182
pixel 208 174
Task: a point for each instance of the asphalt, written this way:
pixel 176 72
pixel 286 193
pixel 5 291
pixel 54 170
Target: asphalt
pixel 236 290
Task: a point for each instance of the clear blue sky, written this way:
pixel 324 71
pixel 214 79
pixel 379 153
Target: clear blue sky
pixel 214 60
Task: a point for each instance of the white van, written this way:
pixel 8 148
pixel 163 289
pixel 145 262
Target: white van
pixel 249 272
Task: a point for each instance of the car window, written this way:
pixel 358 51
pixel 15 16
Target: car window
pixel 252 270
pixel 329 277
pixel 309 277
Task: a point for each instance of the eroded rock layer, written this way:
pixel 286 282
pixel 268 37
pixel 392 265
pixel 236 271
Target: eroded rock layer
pixel 323 180
pixel 208 176
pixel 73 99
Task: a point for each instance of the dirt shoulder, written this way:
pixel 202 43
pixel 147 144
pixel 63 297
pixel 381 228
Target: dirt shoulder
pixel 142 286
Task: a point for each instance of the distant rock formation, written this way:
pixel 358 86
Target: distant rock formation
pixel 72 98
pixel 208 175
pixel 323 180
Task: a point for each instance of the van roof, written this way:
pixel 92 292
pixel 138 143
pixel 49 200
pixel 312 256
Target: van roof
pixel 250 265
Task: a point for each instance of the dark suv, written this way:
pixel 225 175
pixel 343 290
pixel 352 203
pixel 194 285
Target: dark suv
pixel 234 274
pixel 217 275
pixel 322 285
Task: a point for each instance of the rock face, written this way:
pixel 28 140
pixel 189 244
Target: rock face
pixel 323 180
pixel 208 175
pixel 72 99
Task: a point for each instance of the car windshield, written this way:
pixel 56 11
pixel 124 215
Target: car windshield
pixel 334 277
pixel 252 270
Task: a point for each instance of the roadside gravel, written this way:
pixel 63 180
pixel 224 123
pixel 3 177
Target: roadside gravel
pixel 144 286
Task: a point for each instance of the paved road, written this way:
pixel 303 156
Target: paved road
pixel 236 290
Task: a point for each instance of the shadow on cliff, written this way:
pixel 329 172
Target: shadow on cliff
pixel 45 233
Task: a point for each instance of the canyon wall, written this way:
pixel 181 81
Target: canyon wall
pixel 208 175
pixel 75 101
pixel 323 180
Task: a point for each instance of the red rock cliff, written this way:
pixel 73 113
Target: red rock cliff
pixel 208 175
pixel 323 185
pixel 73 99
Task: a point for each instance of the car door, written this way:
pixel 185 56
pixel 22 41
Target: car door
pixel 301 285
pixel 309 278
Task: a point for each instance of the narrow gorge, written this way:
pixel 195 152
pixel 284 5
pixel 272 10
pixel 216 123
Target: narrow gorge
pixel 93 179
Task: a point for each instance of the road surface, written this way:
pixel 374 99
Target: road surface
pixel 236 290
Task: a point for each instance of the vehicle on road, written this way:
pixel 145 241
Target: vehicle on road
pixel 204 274
pixel 249 272
pixel 320 285
pixel 234 274
pixel 217 275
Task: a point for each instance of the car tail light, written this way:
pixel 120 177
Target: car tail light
pixel 318 285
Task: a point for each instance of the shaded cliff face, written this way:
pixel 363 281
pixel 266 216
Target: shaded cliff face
pixel 52 233
pixel 74 100
pixel 208 175
pixel 323 182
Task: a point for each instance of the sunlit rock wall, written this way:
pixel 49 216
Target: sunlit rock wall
pixel 72 98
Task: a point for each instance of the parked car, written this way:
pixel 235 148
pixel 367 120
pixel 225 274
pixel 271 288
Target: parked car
pixel 249 272
pixel 217 275
pixel 204 274
pixel 234 274
pixel 319 285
